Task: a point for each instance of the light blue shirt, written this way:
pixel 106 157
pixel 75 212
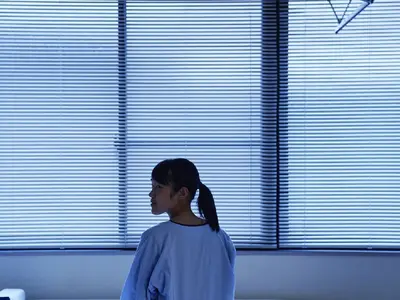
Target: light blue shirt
pixel 179 262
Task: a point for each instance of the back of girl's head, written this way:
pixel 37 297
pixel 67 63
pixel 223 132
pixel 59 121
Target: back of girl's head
pixel 181 172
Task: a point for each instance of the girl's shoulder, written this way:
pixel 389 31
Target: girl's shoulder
pixel 157 231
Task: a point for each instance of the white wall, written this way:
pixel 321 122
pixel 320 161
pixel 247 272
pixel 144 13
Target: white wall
pixel 284 275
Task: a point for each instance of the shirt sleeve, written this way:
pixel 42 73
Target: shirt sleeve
pixel 231 251
pixel 231 281
pixel 137 285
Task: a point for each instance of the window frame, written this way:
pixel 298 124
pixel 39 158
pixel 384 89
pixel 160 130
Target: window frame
pixel 274 146
pixel 274 100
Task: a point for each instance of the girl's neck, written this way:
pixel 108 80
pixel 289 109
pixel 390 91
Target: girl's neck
pixel 186 218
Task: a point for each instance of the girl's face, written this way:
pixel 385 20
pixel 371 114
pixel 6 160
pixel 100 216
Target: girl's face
pixel 163 200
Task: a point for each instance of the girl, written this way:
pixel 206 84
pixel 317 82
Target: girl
pixel 187 257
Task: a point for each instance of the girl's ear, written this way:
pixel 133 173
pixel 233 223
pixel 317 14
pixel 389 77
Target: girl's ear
pixel 184 192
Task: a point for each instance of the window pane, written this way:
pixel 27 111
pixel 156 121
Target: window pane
pixel 194 88
pixel 343 128
pixel 58 121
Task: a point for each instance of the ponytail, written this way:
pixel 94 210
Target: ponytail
pixel 206 206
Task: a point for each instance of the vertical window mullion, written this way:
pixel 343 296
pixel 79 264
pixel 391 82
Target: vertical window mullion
pixel 122 123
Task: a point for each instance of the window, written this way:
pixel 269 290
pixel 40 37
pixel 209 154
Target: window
pixel 342 128
pixel 194 90
pixel 58 120
pixel 294 128
pixel 94 94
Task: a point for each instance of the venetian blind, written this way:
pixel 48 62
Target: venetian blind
pixel 95 93
pixel 342 166
pixel 195 90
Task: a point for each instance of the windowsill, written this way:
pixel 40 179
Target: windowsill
pixel 250 252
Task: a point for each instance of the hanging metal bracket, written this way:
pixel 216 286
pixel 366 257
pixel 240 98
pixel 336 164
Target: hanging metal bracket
pixel 343 21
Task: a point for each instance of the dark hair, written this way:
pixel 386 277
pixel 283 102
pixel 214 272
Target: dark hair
pixel 181 172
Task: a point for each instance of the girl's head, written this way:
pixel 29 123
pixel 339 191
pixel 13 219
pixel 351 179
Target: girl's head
pixel 174 185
